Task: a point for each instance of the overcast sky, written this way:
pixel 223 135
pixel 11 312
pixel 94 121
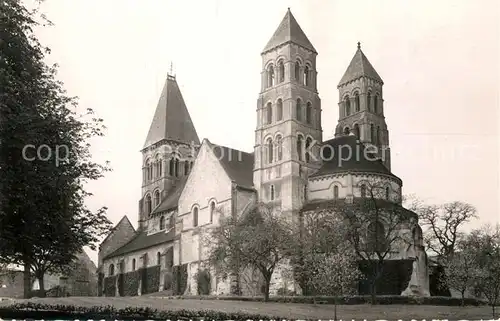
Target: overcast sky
pixel 439 61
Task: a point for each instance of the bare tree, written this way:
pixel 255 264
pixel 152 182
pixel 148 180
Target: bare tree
pixel 376 227
pixel 260 239
pixel 444 223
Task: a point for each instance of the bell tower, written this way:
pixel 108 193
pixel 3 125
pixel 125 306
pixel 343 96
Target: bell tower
pixel 288 134
pixel 169 150
pixel 361 106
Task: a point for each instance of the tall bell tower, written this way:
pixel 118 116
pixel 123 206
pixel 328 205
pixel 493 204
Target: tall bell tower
pixel 361 106
pixel 288 134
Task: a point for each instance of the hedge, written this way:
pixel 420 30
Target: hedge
pixel 47 311
pixel 346 300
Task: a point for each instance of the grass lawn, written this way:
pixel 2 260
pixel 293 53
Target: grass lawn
pixel 285 310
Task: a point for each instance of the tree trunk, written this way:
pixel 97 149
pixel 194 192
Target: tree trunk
pixel 41 284
pixel 374 292
pixel 335 309
pixel 493 310
pixel 27 280
pixel 463 297
pixel 267 283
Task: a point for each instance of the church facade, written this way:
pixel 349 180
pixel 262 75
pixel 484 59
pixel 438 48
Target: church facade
pixel 187 183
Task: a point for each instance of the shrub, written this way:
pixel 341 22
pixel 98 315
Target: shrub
pixel 57 292
pixel 203 282
pixel 348 300
pixel 45 311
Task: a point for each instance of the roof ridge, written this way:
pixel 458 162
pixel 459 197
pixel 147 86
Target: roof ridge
pixel 238 150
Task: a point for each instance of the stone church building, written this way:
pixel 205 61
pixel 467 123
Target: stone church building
pixel 186 181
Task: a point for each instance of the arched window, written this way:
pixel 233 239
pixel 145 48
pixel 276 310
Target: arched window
pixel 363 190
pixel 158 258
pixel 177 168
pixel 335 192
pixel 279 148
pixel 376 237
pixel 308 144
pixel 270 150
pixel 368 101
pixel 148 204
pixel 148 165
pixel 372 134
pixel 298 109
pixel 305 192
pixel 195 217
pixel 171 166
pixel 375 104
pixel 356 101
pixel 158 166
pixel 281 71
pixel 306 76
pixel 269 113
pixel 162 223
pixel 297 71
pixel 300 147
pixel 111 270
pixel 270 76
pixel 279 110
pixel 186 167
pixel 378 135
pixel 212 211
pixel 308 113
pixel 387 192
pixel 133 264
pixel 347 103
pixel 356 131
pixel 347 131
pixel 272 193
pixel 157 198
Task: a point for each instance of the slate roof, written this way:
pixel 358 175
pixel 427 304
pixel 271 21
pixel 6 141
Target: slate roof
pixel 359 67
pixel 237 164
pixel 171 119
pixel 357 201
pixel 361 161
pixel 289 31
pixel 143 241
pixel 124 220
pixel 170 202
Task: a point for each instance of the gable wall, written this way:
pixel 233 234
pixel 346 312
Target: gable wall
pixel 119 237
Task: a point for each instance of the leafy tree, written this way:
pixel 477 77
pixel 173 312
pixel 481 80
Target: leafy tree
pixel 461 269
pixel 486 243
pixel 329 263
pixel 444 223
pixel 336 274
pixel 44 221
pixel 259 238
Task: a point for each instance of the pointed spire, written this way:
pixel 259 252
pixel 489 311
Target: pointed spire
pixel 171 119
pixel 171 71
pixel 289 31
pixel 359 67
